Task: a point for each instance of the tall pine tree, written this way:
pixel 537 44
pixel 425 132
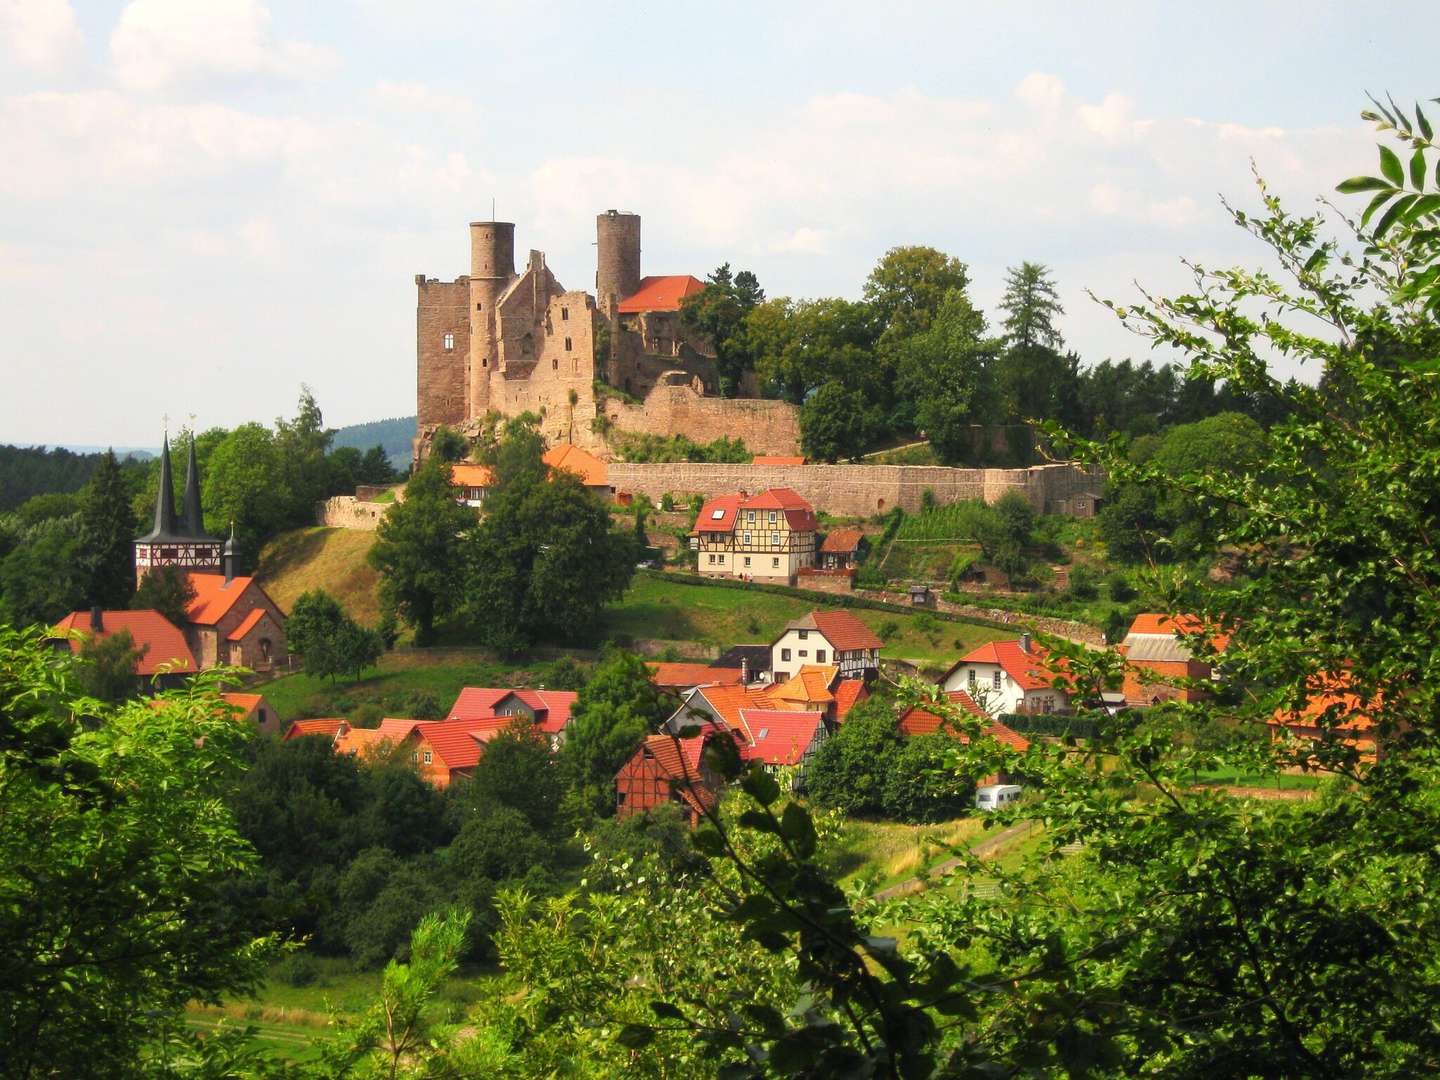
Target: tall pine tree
pixel 107 534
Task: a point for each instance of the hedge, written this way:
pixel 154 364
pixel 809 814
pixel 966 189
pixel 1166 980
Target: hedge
pixel 1056 724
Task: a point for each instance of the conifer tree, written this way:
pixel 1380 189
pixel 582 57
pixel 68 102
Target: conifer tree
pixel 107 533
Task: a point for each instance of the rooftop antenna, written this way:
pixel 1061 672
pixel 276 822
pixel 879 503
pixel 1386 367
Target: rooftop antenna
pixel 492 207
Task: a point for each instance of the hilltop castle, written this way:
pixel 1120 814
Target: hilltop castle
pixel 498 341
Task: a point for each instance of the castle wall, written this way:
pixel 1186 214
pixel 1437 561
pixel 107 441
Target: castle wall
pixel 861 490
pixel 767 427
pixel 562 367
pixel 442 308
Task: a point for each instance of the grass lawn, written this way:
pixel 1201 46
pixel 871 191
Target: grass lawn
pixel 322 558
pixel 655 608
pixel 1231 777
pixel 890 851
pixel 441 673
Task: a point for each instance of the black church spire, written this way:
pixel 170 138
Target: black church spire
pixel 164 501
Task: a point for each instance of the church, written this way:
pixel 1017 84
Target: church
pixel 231 620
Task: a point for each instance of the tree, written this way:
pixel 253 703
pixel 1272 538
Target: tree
pixel 331 642
pixel 918 785
pixel 166 589
pixel 1031 304
pixel 908 287
pixel 418 549
pixel 618 706
pixel 947 371
pixel 247 484
pixel 303 446
pixel 41 579
pixel 718 311
pixel 832 423
pixel 799 345
pixel 515 770
pixel 448 445
pixel 114 912
pixel 107 533
pixel 106 669
pixel 544 560
pixel 848 772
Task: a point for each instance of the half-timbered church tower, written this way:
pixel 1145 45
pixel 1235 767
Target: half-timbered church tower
pixel 183 543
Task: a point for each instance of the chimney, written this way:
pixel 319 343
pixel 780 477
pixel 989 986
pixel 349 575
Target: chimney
pixel 97 619
pixel 1025 642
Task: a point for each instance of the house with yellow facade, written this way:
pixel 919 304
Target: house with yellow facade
pixel 765 537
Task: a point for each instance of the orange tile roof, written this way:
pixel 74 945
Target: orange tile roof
pixel 719 514
pixel 811 684
pixel 843 630
pixel 661 293
pixel 776 459
pixel 842 541
pixel 799 514
pixel 551 707
pixel 246 625
pixel 361 742
pixel 848 694
pixel 245 703
pixel 469 474
pixel 1330 696
pixel 918 720
pixel 679 760
pixel 327 727
pixel 1027 669
pixel 214 597
pixel 779 736
pixel 1150 622
pixel 164 644
pixel 592 471
pixel 688 675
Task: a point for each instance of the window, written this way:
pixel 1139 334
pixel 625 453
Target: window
pixel 784 655
pixel 774 539
pixel 429 757
pixel 750 516
pixel 620 798
pixel 803 634
pixel 747 539
pixel 567 344
pixel 478 305
pixel 564 314
pixel 970 679
pixel 774 517
pixel 804 653
pixel 775 563
pixel 747 560
pixel 450 341
pixel 819 656
pixel 415 758
pixel 555 364
pixel 716 515
pixel 996 680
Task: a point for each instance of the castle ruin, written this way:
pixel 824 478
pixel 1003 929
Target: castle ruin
pixel 501 342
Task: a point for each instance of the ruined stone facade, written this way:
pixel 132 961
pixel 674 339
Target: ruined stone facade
pixel 500 342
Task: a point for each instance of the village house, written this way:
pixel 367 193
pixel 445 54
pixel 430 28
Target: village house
pixel 1159 662
pixel 765 537
pixel 1008 677
pixel 843 549
pixel 233 621
pixel 666 769
pixel 165 661
pixel 473 482
pixel 679 677
pixel 918 720
pixel 752 660
pixel 322 728
pixel 835 638
pixel 254 709
pixel 548 710
pixel 1333 714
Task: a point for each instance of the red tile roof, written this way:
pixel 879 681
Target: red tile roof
pixel 843 630
pixel 661 293
pixel 779 737
pixel 246 703
pixel 776 459
pixel 246 625
pixel 848 694
pixel 918 720
pixel 459 743
pixel 799 514
pixel 688 675
pixel 164 644
pixel 329 728
pixel 1027 669
pixel 214 597
pixel 470 475
pixel 1150 622
pixel 551 707
pixel 592 471
pixel 1331 696
pixel 679 760
pixel 842 541
pixel 719 514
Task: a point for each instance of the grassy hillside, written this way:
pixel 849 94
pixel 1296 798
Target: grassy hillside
pixel 329 559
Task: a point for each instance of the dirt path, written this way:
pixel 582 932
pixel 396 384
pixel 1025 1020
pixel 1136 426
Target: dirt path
pixel 990 846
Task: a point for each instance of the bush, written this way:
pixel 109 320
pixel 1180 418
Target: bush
pixel 297 969
pixel 918 786
pixel 1057 725
pixel 1084 582
pixel 414 705
pixel 870 577
pixel 889 629
pixel 1119 588
pixel 667 502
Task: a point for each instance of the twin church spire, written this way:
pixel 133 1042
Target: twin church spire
pixel 183 542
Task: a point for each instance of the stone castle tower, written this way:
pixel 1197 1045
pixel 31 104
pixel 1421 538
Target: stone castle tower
pixel 506 341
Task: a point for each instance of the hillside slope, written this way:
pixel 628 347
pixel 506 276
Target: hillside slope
pixel 321 558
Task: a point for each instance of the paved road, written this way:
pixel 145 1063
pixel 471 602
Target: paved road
pixel 991 845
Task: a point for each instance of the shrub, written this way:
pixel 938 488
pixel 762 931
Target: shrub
pixel 889 629
pixel 1119 587
pixel 667 502
pixel 918 786
pixel 297 969
pixel 1084 582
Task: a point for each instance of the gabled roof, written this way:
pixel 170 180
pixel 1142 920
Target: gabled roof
pixel 363 742
pixel 848 694
pixel 1028 669
pixel 776 459
pixel 1155 623
pixel 918 720
pixel 592 471
pixel 162 641
pixel 661 293
pixel 719 514
pixel 469 474
pixel 328 727
pixel 799 514
pixel 779 737
pixel 687 675
pixel 810 685
pixel 679 760
pixel 756 658
pixel 842 541
pixel 246 625
pixel 551 707
pixel 214 597
pixel 244 703
pixel 843 630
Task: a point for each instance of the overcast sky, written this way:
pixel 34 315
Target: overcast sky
pixel 205 203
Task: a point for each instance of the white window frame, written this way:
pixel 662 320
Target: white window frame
pixel 449 342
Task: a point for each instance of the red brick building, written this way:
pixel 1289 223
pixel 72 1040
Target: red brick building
pixel 667 769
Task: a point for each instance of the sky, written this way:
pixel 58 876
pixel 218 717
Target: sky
pixel 206 203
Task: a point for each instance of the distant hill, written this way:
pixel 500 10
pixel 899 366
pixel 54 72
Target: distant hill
pixel 395 435
pixel 26 471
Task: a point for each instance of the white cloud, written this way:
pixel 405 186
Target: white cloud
pixel 158 43
pixel 803 240
pixel 1041 91
pixel 417 97
pixel 43 35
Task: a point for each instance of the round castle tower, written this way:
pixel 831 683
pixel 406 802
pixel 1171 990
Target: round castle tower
pixel 492 265
pixel 617 261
